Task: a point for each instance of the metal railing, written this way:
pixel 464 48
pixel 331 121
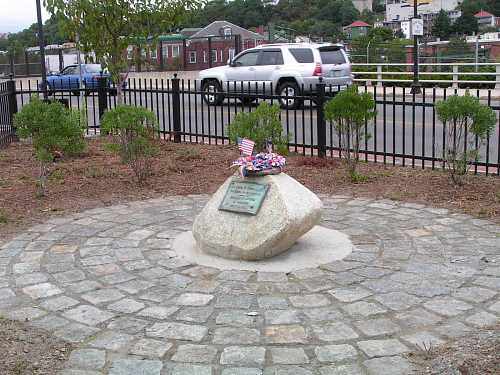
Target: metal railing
pixel 405 131
pixel 453 75
pixel 8 107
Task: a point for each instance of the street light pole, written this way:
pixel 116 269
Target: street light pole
pixel 41 43
pixel 415 87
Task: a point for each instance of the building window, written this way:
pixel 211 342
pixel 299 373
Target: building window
pixel 130 52
pixel 221 55
pixel 213 55
pixel 192 57
pixel 164 50
pixel 153 54
pixel 231 54
pixel 176 50
pixel 204 57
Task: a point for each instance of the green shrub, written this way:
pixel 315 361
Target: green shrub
pixel 261 126
pixel 464 119
pixel 132 131
pixel 350 111
pixel 52 128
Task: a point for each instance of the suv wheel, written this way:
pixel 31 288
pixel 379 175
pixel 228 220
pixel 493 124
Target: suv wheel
pixel 288 92
pixel 212 92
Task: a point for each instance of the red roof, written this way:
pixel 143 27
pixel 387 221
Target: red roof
pixel 359 24
pixel 483 13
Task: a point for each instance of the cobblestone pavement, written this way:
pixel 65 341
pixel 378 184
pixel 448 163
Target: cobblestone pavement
pixel 106 280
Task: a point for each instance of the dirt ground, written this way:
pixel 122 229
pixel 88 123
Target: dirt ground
pixel 29 351
pixel 476 354
pixel 97 178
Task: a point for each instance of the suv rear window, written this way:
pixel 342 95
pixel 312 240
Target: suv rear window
pixel 332 56
pixel 302 55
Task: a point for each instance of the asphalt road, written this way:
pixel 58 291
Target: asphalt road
pixel 398 128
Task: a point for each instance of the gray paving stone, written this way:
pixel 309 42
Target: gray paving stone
pixel 235 275
pixel 158 312
pixel 322 314
pixel 310 300
pixel 69 276
pixel 194 299
pixel 495 307
pixel 177 331
pixel 363 309
pixel 380 348
pixel 482 319
pixel 50 322
pixel 236 318
pixel 195 314
pixel 70 371
pixel 447 306
pixel 243 356
pixel 350 294
pixel 187 369
pixel 75 332
pixel 282 317
pixel 453 329
pixel 335 353
pixel 474 294
pixel 150 348
pixel 234 302
pixel 285 334
pixel 91 359
pixel 111 340
pixel 128 325
pixel 89 315
pixel 389 366
pixel 31 278
pixel 377 327
pixel 43 290
pixel 242 371
pixel 230 335
pixel 25 314
pixel 102 295
pixel 271 302
pixel 135 286
pixel 397 300
pixel 135 367
pixel 287 370
pixel 272 277
pixel 418 318
pixel 288 356
pixel 423 340
pixel 59 303
pixel 348 369
pixel 331 332
pixel 126 306
pixel 195 353
pixel 6 293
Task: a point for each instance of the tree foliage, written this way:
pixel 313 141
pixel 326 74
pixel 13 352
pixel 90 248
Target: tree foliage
pixel 466 24
pixel 261 126
pixel 465 120
pixel 108 27
pixel 132 131
pixel 442 27
pixel 350 111
pixel 53 129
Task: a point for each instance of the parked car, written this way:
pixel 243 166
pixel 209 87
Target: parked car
pixel 288 69
pixel 69 78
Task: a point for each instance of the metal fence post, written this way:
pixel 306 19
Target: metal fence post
pixel 497 85
pixel 321 124
pixel 379 75
pixel 176 108
pixel 210 62
pixel 27 63
pixel 102 92
pixel 455 77
pixel 12 66
pixel 12 100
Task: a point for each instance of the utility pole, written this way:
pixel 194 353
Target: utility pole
pixel 416 87
pixel 41 42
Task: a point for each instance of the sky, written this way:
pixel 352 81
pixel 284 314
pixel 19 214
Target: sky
pixel 17 15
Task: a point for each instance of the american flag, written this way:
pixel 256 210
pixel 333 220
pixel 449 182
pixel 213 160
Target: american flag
pixel 246 146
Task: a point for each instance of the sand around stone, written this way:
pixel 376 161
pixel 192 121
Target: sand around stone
pixel 289 211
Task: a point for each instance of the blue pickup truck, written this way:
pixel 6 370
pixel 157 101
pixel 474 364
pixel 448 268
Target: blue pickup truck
pixel 69 79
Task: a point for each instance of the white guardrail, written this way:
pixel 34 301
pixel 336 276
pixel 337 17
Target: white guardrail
pixel 384 70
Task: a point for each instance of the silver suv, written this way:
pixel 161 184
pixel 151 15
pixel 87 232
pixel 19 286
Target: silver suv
pixel 287 70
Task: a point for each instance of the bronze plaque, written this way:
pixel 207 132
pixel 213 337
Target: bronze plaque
pixel 244 197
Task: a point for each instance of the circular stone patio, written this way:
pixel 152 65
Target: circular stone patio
pixel 108 281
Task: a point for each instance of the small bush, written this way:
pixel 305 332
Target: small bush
pixel 53 129
pixel 132 131
pixel 261 126
pixel 350 111
pixel 464 119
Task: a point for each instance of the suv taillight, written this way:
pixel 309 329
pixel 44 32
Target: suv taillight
pixel 317 70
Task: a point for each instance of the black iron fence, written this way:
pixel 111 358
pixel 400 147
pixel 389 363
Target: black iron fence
pixel 8 107
pixel 405 131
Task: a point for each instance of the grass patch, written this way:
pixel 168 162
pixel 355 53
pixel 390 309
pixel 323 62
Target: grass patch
pixel 188 154
pixel 3 218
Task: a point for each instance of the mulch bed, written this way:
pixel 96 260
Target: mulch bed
pixel 29 351
pixel 97 178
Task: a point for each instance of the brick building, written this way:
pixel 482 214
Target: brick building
pixel 198 48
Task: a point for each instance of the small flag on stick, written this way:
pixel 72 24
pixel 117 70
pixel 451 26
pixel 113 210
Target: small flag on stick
pixel 246 146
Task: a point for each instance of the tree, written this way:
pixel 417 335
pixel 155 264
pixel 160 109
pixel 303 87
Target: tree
pixel 108 27
pixel 350 111
pixel 378 6
pixel 466 24
pixel 467 123
pixel 441 27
